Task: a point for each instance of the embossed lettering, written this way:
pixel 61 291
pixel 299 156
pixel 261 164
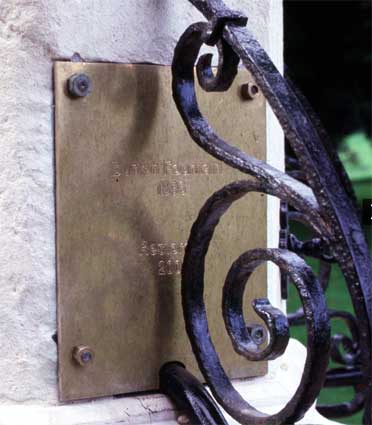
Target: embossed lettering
pixel 170 168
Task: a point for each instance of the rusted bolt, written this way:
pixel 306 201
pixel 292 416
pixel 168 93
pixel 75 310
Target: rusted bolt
pixel 258 333
pixel 249 91
pixel 82 354
pixel 79 85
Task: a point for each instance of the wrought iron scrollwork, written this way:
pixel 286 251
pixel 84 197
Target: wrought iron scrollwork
pixel 345 350
pixel 318 194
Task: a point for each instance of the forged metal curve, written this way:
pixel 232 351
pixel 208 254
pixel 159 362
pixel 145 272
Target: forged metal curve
pixel 311 295
pixel 324 202
pixel 189 394
pixel 349 377
pixel 345 350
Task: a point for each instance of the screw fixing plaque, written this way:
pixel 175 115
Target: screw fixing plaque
pixel 130 182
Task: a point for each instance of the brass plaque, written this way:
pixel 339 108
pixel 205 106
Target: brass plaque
pixel 130 182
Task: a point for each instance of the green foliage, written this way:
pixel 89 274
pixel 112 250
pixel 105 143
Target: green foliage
pixel 328 48
pixel 337 298
pixel 356 154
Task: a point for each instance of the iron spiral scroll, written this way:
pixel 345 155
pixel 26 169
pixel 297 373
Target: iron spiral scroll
pixel 319 194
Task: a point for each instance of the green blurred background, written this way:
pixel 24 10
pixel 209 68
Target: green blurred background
pixel 328 53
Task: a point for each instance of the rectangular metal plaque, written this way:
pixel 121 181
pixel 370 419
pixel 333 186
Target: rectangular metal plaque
pixel 130 182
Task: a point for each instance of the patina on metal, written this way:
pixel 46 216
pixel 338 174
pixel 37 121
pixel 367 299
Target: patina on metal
pixel 319 194
pixel 129 184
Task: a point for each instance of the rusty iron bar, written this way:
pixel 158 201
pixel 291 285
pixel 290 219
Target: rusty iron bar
pixel 345 350
pixel 190 395
pixel 323 199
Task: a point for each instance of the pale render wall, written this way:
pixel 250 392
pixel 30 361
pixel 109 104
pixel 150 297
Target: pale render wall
pixel 32 34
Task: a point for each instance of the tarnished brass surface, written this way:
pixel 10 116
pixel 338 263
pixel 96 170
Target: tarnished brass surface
pixel 130 183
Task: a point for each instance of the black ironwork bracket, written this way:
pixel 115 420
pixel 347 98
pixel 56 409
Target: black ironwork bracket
pixel 318 194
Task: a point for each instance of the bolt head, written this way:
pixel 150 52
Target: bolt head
pixel 183 420
pixel 83 355
pixel 79 85
pixel 249 91
pixel 258 333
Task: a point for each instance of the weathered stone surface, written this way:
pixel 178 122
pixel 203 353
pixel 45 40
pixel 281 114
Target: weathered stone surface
pixel 268 394
pixel 32 35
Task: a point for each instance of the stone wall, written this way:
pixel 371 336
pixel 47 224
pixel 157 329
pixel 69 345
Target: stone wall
pixel 34 33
